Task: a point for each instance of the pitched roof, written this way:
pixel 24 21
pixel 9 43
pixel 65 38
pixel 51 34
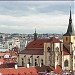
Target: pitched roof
pixel 32 51
pixel 58 69
pixel 65 50
pixel 70 30
pixel 20 70
pixel 39 43
pixel 43 68
pixel 2 54
pixel 31 70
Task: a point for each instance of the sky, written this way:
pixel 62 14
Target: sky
pixel 46 16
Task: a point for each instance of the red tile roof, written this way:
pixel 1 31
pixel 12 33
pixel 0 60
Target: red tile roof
pixel 58 69
pixel 2 54
pixel 32 51
pixel 43 68
pixel 31 70
pixel 2 60
pixel 39 43
pixel 65 51
pixel 21 70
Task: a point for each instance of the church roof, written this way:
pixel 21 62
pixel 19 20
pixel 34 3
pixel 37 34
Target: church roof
pixel 70 30
pixel 65 50
pixel 36 47
pixel 39 43
pixel 32 52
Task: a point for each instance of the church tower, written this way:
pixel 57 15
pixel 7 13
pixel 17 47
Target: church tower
pixel 35 35
pixel 69 46
pixel 69 36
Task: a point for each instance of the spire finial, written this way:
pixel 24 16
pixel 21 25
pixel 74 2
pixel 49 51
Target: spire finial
pixel 70 12
pixel 35 35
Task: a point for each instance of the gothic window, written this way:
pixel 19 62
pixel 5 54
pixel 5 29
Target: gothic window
pixel 35 62
pixel 41 61
pixel 22 62
pixel 57 58
pixel 66 63
pixel 28 61
pixel 57 49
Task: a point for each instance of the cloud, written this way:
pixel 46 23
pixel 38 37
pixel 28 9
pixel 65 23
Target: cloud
pixel 46 16
pixel 43 22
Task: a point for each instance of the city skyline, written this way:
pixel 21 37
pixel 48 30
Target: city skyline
pixel 45 16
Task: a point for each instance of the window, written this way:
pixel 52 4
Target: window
pixel 41 61
pixel 22 62
pixel 28 61
pixel 35 62
pixel 57 49
pixel 66 63
pixel 66 38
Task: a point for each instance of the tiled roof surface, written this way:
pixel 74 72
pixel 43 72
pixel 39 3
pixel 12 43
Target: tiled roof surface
pixel 2 60
pixel 39 43
pixel 2 54
pixel 33 51
pixel 58 69
pixel 65 51
pixel 30 70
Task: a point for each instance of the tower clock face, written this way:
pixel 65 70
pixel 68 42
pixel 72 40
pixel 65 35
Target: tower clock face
pixel 48 49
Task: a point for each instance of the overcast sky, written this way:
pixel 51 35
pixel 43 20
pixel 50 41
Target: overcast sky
pixel 45 16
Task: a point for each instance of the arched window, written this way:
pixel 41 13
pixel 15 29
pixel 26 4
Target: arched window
pixel 42 62
pixel 35 62
pixel 66 38
pixel 28 61
pixel 66 63
pixel 22 62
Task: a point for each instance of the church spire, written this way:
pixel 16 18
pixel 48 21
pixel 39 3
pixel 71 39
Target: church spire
pixel 35 35
pixel 70 30
pixel 70 19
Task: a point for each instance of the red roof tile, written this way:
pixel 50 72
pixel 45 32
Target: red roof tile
pixel 65 51
pixel 21 70
pixel 2 54
pixel 33 51
pixel 2 60
pixel 58 69
pixel 39 43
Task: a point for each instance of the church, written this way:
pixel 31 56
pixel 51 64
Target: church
pixel 51 52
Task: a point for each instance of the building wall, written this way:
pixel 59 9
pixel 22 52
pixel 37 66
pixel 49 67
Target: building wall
pixel 66 39
pixel 66 57
pixel 54 57
pixel 74 60
pixel 32 59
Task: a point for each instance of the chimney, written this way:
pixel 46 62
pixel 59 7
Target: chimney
pixel 27 65
pixel 16 67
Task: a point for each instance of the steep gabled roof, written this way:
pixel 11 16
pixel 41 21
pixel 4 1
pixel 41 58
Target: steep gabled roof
pixel 65 50
pixel 70 30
